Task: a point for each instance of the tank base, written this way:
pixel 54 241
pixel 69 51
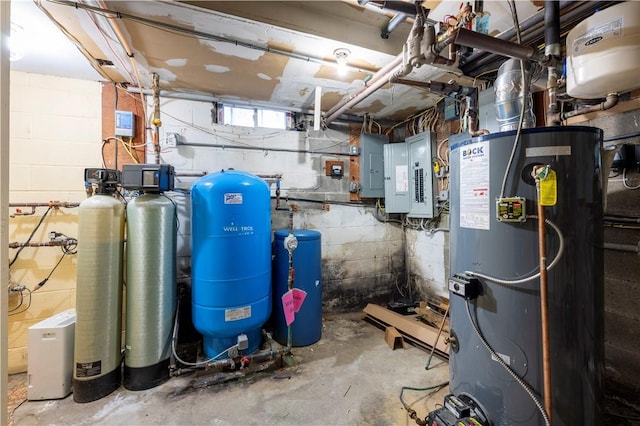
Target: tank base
pixel 142 378
pixel 214 346
pixel 93 389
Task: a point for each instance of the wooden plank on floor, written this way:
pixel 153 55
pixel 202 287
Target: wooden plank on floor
pixel 408 326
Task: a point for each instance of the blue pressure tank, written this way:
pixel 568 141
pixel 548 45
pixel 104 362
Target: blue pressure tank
pixel 307 326
pixel 231 259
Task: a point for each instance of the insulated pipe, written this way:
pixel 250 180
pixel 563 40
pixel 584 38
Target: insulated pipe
pixel 552 28
pixel 544 304
pixel 382 74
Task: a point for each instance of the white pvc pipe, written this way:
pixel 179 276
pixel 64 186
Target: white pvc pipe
pixel 318 109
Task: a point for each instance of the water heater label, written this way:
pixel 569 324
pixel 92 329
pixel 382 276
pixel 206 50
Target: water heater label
pixel 475 209
pixel 233 198
pixel 608 30
pixel 237 314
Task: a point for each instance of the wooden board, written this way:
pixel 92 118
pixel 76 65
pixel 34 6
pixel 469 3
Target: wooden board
pixel 408 326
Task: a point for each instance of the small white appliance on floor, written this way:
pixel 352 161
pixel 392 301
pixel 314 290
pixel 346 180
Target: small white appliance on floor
pixel 50 363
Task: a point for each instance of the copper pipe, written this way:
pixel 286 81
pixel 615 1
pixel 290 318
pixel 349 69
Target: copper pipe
pixel 544 309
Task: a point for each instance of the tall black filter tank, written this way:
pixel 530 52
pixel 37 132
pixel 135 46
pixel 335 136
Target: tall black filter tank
pixel 509 315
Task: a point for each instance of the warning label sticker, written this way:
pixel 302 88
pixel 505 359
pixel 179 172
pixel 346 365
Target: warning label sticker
pixel 474 186
pixel 88 369
pixel 237 313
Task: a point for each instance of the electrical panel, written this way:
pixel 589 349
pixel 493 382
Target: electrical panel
pixel 125 124
pixel 422 185
pixel 50 357
pixel 372 165
pixel 396 178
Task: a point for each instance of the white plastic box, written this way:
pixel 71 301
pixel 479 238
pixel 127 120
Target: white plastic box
pixel 50 363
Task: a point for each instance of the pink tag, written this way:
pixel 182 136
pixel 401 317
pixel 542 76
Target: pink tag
pixel 298 298
pixel 288 304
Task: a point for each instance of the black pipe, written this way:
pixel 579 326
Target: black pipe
pixel 571 12
pixel 552 28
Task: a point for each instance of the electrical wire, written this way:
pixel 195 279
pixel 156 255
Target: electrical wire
pixel 30 237
pixel 412 413
pixel 28 305
pixel 516 25
pixel 509 370
pixel 555 261
pixel 624 180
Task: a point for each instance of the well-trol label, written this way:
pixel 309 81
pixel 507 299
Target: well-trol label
pixel 606 31
pixel 233 198
pixel 237 314
pixel 88 369
pixel 474 172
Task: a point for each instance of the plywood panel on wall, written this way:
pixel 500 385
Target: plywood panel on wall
pixel 117 98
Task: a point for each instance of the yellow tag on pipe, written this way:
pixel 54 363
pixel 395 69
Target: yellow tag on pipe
pixel 549 189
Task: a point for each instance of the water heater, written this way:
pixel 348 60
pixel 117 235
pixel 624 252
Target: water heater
pixel 508 315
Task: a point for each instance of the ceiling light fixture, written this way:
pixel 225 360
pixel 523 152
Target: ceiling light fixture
pixel 341 56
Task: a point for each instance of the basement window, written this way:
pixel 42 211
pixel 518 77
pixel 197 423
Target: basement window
pixel 254 117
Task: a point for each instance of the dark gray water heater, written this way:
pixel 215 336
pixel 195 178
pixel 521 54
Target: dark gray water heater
pixel 508 315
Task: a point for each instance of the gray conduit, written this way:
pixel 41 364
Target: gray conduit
pixel 623 247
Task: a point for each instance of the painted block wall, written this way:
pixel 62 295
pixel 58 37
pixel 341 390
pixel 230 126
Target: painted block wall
pixel 362 258
pixel 622 270
pixel 55 133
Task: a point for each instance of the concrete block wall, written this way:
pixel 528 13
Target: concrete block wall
pixel 362 259
pixel 428 257
pixel 55 134
pixel 622 269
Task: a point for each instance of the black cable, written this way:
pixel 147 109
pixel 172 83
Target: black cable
pixel 621 137
pixel 622 416
pixel 30 237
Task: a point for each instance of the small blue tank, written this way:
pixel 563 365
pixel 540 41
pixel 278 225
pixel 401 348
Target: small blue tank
pixel 230 259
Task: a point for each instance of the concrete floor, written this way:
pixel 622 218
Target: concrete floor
pixel 349 377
